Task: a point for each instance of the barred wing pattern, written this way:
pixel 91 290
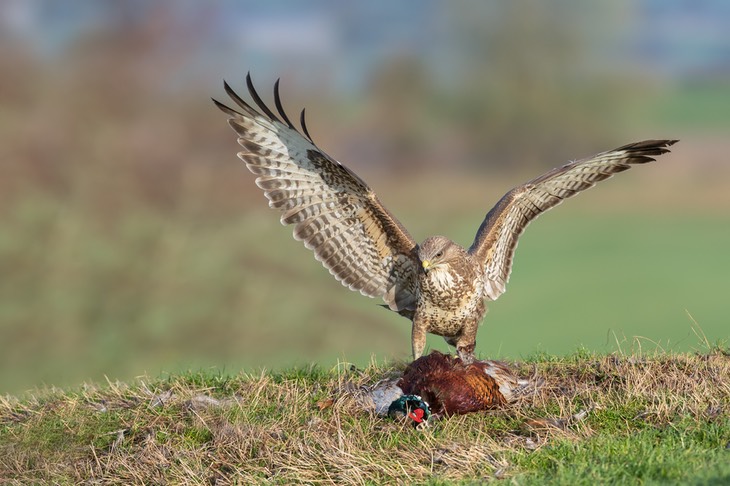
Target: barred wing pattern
pixel 333 211
pixel 496 240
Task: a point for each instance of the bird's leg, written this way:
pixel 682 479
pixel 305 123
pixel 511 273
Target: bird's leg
pixel 418 338
pixel 467 341
pixel 466 353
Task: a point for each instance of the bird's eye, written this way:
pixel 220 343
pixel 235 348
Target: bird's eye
pixel 439 254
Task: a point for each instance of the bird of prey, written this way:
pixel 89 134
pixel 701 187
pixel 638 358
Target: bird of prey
pixel 437 284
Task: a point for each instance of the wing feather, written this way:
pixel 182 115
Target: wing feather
pixel 496 239
pixel 334 212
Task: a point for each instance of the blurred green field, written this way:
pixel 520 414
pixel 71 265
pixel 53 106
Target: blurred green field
pixel 132 241
pixel 82 298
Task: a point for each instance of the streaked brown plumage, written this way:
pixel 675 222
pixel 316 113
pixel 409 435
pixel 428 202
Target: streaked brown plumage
pixel 450 386
pixel 438 284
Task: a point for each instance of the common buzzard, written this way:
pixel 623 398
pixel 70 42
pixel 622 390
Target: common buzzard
pixel 439 285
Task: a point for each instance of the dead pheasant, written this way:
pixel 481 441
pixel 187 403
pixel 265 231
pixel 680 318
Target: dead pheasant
pixel 451 387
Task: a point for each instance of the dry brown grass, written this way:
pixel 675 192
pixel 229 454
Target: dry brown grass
pixel 249 429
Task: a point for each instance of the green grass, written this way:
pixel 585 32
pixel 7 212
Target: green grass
pixel 659 419
pixel 677 454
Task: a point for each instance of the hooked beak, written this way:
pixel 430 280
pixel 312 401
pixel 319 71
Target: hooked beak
pixel 426 265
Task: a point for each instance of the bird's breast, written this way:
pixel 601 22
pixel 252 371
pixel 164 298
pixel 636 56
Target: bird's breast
pixel 443 292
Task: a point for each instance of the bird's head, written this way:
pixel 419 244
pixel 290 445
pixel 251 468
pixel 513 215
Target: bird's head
pixel 411 406
pixel 437 251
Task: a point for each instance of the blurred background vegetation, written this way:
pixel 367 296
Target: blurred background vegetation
pixel 133 241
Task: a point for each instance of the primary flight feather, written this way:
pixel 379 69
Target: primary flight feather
pixel 439 285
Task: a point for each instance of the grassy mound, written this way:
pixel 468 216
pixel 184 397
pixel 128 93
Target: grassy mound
pixel 596 419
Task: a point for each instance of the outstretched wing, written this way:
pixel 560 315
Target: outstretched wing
pixel 496 239
pixel 335 213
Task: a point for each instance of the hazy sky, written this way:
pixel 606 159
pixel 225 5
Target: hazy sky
pixel 678 38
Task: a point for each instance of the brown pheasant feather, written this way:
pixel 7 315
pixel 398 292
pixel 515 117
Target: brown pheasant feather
pixel 452 387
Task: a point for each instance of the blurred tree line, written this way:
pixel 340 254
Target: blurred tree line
pixel 520 85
